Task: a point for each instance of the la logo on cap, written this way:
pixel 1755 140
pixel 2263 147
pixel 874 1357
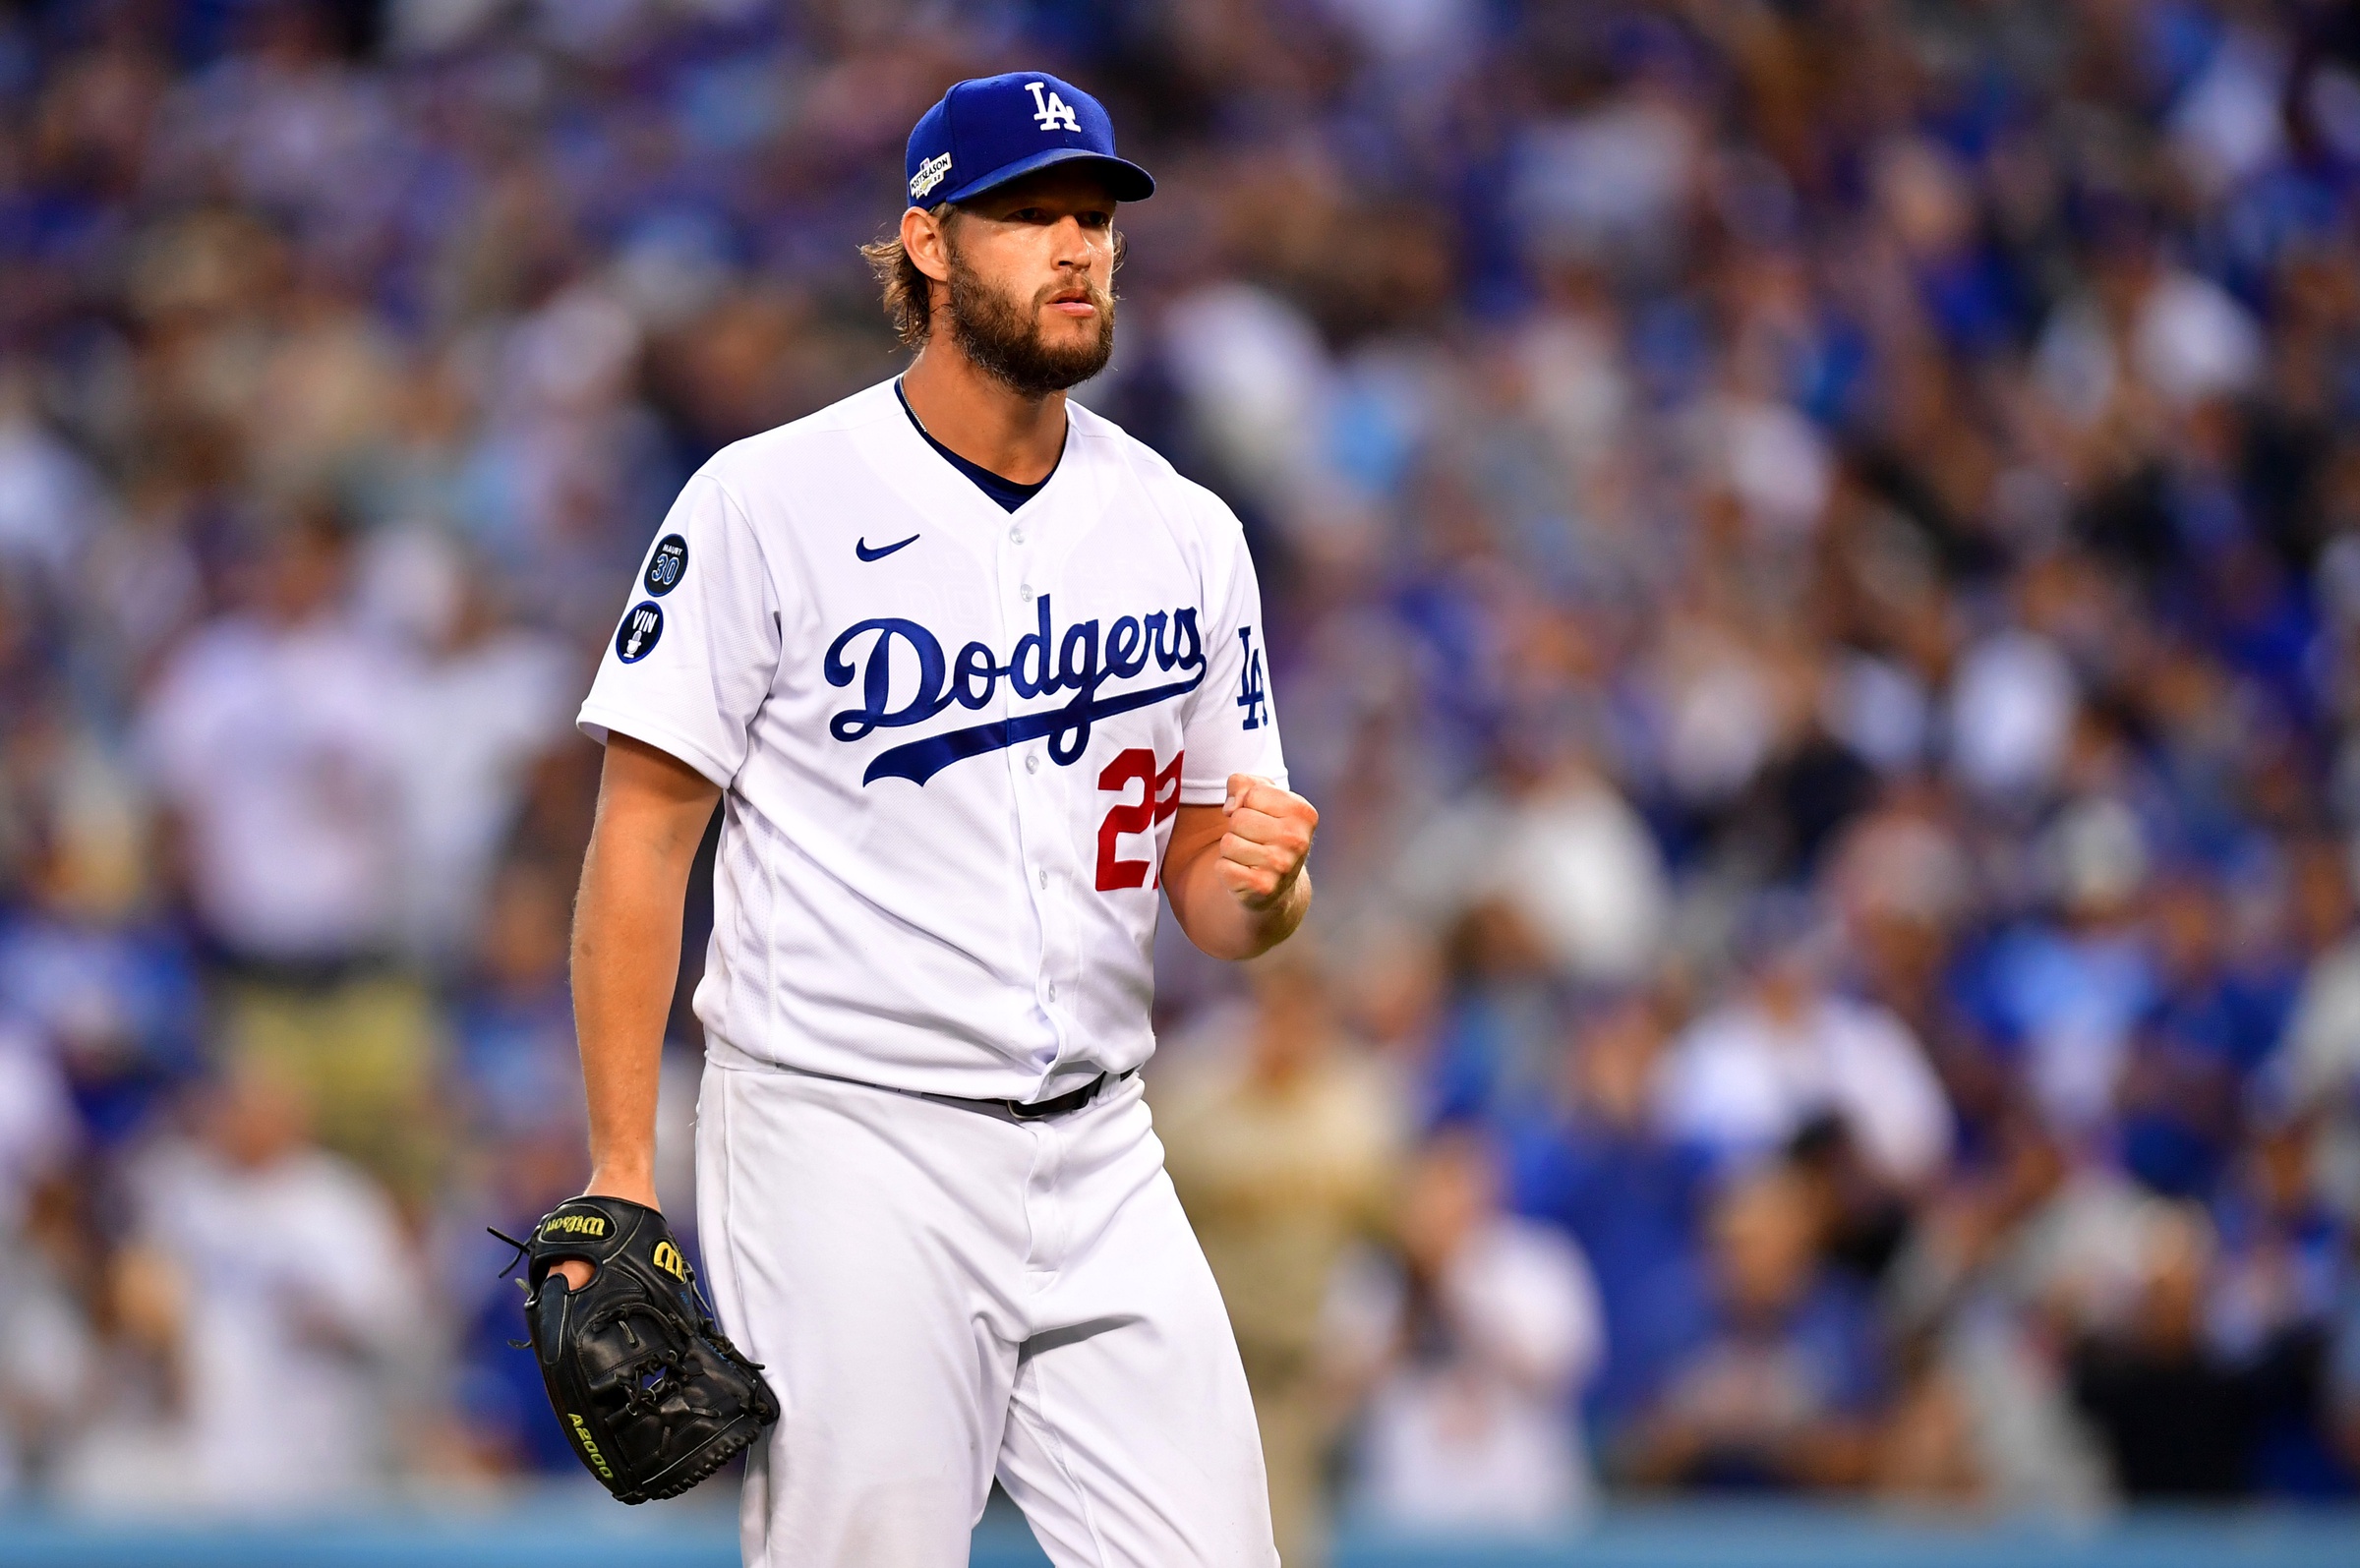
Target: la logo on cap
pixel 986 132
pixel 1052 111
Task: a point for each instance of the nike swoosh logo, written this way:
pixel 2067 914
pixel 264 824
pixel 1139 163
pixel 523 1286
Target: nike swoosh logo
pixel 861 550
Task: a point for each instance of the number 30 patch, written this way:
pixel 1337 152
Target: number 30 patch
pixel 666 565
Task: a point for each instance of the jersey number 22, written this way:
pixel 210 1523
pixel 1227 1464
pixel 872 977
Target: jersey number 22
pixel 1158 798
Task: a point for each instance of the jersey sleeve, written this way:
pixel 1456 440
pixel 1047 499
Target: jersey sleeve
pixel 693 657
pixel 1230 725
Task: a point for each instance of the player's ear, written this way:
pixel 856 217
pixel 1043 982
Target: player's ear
pixel 925 242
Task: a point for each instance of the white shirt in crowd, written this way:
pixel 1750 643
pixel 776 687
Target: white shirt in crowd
pixel 40 1126
pixel 1485 1433
pixel 2317 1066
pixel 299 1295
pixel 476 718
pixel 1740 1083
pixel 277 749
pixel 1570 856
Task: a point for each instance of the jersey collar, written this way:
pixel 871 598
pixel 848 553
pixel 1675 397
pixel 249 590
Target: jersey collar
pixel 945 462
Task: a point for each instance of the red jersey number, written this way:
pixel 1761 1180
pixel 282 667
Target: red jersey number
pixel 1158 798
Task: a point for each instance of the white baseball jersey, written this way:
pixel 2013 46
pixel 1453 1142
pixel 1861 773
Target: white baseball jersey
pixel 951 740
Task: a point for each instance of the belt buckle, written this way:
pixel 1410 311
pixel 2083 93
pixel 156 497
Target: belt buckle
pixel 1056 1105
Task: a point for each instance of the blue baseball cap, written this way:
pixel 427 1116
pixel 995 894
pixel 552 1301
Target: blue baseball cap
pixel 990 130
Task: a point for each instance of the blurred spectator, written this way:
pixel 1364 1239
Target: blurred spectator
pixel 1495 1046
pixel 2320 1058
pixel 519 1090
pixel 2011 713
pixel 1745 1079
pixel 2270 1303
pixel 2179 1417
pixel 1284 1147
pixel 1587 874
pixel 486 699
pixel 1564 852
pixel 1473 1351
pixel 1901 886
pixel 92 968
pixel 1787 1386
pixel 38 1130
pixel 2181 1097
pixel 1592 1162
pixel 269 733
pixel 499 1419
pixel 52 1366
pixel 2066 993
pixel 285 1298
pixel 2342 1387
pixel 42 1372
pixel 277 734
pixel 513 1017
pixel 1996 1276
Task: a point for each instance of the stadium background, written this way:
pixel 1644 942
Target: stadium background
pixel 1814 561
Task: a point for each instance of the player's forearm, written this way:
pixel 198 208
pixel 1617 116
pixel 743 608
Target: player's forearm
pixel 1236 873
pixel 627 953
pixel 626 958
pixel 1222 925
pixel 1260 930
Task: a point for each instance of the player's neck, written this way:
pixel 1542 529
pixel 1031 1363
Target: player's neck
pixel 982 418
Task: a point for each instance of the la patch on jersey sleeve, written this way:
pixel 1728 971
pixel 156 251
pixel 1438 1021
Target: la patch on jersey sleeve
pixel 1231 726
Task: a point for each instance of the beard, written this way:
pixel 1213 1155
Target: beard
pixel 1002 336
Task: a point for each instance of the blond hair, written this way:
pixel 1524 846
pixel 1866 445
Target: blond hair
pixel 909 295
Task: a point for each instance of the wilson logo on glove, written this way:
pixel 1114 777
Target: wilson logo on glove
pixel 573 1223
pixel 653 1396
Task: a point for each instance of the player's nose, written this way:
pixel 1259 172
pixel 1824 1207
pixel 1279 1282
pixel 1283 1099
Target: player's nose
pixel 1072 245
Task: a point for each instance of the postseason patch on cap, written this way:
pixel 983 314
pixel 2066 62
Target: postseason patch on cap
pixel 991 129
pixel 931 173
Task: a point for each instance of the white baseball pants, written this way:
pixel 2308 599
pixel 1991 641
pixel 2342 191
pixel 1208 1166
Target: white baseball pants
pixel 939 1294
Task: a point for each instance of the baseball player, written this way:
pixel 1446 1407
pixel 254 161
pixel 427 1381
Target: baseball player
pixel 978 680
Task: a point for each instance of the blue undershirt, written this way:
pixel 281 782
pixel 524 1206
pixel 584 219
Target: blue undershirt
pixel 1007 492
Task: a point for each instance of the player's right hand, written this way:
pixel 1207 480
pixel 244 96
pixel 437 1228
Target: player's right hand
pixel 1268 839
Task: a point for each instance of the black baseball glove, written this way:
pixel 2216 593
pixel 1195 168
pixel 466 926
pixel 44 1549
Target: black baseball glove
pixel 652 1396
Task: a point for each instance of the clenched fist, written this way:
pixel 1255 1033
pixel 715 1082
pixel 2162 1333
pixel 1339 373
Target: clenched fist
pixel 1269 837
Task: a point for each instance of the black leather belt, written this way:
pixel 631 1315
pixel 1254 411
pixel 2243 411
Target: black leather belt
pixel 1042 1110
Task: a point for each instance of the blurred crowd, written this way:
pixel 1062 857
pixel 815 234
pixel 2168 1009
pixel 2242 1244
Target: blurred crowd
pixel 1814 560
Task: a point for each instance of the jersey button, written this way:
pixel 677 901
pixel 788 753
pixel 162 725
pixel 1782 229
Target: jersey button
pixel 1024 593
pixel 1015 536
pixel 1052 990
pixel 1033 764
pixel 1044 882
